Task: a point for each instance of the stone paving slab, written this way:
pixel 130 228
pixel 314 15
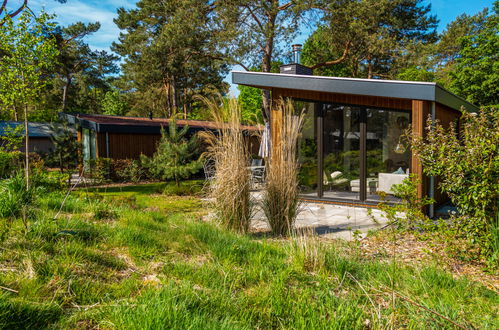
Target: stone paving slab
pixel 332 221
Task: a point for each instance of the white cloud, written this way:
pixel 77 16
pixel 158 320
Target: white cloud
pixel 88 11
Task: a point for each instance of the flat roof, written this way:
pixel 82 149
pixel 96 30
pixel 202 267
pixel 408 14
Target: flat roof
pixel 413 90
pixel 36 130
pixel 138 125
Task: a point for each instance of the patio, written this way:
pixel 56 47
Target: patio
pixel 329 220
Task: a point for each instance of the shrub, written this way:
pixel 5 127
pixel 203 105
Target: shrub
pixel 409 213
pixel 99 169
pixel 177 156
pixel 10 162
pixel 468 165
pixel 67 148
pixel 280 200
pixel 128 170
pixel 230 189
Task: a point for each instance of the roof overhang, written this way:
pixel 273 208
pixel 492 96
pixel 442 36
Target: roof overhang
pixel 412 90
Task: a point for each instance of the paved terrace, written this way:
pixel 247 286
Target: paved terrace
pixel 332 221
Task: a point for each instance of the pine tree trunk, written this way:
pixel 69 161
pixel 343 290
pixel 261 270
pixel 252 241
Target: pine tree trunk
pixel 65 93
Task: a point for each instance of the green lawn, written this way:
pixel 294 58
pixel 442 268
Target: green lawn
pixel 130 258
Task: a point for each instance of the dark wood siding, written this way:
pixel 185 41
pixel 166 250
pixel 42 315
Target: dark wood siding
pixel 131 146
pixel 374 101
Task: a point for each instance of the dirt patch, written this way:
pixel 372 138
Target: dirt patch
pixel 410 250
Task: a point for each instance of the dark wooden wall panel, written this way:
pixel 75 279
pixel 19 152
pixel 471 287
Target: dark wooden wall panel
pixel 374 101
pixel 131 146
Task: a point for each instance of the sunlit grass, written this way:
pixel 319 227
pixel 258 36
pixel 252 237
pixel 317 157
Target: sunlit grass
pixel 134 265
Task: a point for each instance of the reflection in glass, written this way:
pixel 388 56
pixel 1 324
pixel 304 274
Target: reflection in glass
pixel 388 156
pixel 341 141
pixel 308 149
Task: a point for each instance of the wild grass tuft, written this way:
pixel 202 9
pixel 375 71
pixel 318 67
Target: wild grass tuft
pixel 230 190
pixel 280 201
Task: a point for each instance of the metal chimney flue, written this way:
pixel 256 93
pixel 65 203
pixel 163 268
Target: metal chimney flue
pixel 296 53
pixel 295 67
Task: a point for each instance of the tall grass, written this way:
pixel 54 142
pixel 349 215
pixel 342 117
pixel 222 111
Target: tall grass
pixel 280 201
pixel 230 190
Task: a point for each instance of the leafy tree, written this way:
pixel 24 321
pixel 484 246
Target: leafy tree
pixel 368 36
pixel 250 100
pixel 6 13
pixel 170 55
pixel 66 146
pixel 468 165
pixel 28 51
pixel 114 104
pixel 476 73
pixel 11 138
pixel 256 31
pixel 81 76
pixel 177 155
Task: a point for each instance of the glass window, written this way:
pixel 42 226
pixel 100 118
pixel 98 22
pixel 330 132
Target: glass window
pixel 387 152
pixel 308 148
pixel 341 151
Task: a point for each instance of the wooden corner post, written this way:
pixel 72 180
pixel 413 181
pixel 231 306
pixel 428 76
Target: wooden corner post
pixel 420 111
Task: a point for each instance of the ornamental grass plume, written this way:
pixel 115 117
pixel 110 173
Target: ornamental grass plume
pixel 230 188
pixel 280 201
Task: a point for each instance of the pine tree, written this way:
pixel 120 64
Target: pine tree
pixel 66 146
pixel 177 155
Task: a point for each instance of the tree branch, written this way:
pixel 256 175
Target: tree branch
pixel 2 8
pixel 20 9
pixel 336 61
pixel 285 6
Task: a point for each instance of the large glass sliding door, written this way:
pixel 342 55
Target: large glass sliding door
pixel 341 142
pixel 388 156
pixel 350 152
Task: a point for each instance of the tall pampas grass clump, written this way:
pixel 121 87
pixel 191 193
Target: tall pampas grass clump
pixel 230 189
pixel 280 201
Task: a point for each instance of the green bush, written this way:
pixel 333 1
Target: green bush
pixel 177 155
pixel 9 163
pixel 468 166
pixel 99 169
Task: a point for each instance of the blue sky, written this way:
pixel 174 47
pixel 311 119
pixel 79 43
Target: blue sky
pixel 105 10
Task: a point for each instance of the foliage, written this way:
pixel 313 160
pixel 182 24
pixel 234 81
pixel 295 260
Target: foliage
pixel 468 165
pixel 99 169
pixel 10 162
pixel 171 54
pixel 367 38
pixel 11 138
pixel 410 212
pixel 81 77
pixel 177 155
pixel 280 200
pixel 114 104
pixel 67 148
pixel 27 52
pixel 476 74
pixel 250 100
pixel 230 189
pixel 255 33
